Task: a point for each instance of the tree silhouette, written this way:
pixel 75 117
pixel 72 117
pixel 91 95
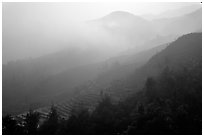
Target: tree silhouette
pixel 50 126
pixel 79 124
pixel 10 126
pixel 31 122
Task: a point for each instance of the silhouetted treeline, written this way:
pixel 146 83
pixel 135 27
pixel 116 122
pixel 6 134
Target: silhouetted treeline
pixel 168 104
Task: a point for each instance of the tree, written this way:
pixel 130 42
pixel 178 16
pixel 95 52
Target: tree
pixel 10 127
pixel 31 122
pixel 103 117
pixel 79 123
pixel 150 88
pixel 50 126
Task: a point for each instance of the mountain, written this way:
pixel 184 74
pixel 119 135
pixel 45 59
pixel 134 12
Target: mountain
pixel 86 82
pixel 184 54
pixel 118 68
pixel 21 79
pixel 186 51
pixel 181 54
pixel 180 11
pixel 127 27
pixel 36 81
pixel 170 99
pixel 55 76
pixel 173 13
pixel 167 99
pixel 188 23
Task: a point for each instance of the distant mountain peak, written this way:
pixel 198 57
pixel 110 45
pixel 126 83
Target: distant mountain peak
pixel 121 15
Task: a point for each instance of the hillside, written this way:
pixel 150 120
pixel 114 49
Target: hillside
pixel 169 98
pixel 37 85
pixel 181 53
pixel 188 23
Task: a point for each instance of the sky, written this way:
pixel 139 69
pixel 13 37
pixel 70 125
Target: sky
pixel 28 27
pixel 80 11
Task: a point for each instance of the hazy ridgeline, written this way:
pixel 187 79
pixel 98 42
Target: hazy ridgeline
pixel 120 73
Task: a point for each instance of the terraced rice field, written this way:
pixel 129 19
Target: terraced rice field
pixel 64 109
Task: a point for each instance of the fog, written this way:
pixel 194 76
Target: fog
pixel 31 30
pixel 55 51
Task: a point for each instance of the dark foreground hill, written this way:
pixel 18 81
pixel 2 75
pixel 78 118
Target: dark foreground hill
pixel 185 52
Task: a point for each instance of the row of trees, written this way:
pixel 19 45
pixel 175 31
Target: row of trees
pixel 168 104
